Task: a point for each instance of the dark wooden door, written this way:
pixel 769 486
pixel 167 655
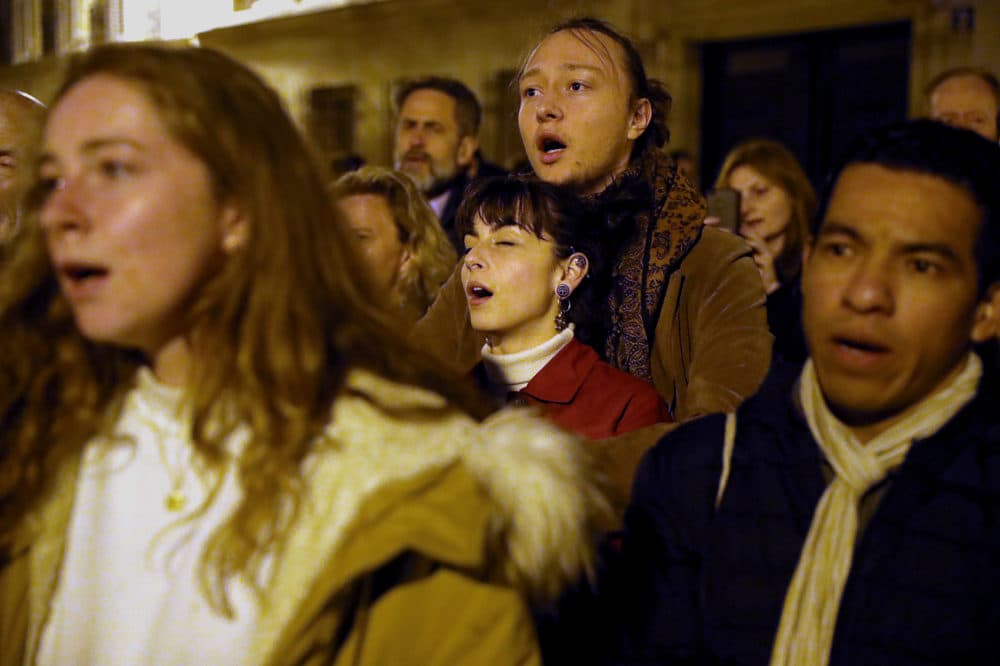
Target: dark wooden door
pixel 814 92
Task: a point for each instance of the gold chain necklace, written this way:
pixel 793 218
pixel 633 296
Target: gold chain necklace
pixel 176 498
pixel 152 405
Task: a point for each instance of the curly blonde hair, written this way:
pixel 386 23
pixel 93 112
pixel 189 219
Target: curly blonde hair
pixel 272 333
pixel 432 256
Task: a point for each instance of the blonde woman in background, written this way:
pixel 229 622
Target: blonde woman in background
pixel 406 253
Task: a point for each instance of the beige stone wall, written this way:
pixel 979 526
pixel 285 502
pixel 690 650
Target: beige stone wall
pixel 473 42
pixel 685 24
pixel 374 45
pixel 37 78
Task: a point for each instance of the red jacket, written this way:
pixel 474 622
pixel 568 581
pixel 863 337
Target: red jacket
pixel 582 393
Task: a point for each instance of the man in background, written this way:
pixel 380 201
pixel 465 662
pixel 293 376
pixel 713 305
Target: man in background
pixel 437 143
pixel 20 118
pixel 968 98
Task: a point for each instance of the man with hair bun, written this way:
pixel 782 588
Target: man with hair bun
pixel 686 310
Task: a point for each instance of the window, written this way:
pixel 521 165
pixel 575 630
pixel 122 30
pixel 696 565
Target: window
pixel 330 120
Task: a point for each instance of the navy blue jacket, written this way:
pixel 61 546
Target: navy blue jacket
pixel 700 586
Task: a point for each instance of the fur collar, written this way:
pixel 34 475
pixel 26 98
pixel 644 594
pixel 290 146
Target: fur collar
pixel 547 508
pixel 546 496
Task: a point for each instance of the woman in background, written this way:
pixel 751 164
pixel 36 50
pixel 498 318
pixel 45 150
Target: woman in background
pixel 212 452
pixel 405 251
pixel 777 203
pixel 535 280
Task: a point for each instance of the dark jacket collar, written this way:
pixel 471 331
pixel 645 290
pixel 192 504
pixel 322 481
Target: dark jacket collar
pixel 775 408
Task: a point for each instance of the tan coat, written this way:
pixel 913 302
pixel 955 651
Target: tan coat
pixel 448 528
pixel 712 346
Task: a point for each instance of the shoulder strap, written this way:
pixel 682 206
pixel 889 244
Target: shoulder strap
pixel 728 441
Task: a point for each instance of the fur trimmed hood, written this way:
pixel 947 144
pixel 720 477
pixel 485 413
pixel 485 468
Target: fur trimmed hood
pixel 532 507
pixel 527 503
pixel 548 504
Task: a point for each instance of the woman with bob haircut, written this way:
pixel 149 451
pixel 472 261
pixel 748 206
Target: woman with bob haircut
pixel 535 279
pixel 406 253
pixel 213 450
pixel 777 203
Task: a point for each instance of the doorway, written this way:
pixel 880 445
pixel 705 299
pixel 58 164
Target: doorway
pixel 814 92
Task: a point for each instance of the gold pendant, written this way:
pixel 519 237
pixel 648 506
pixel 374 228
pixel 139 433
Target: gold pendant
pixel 175 500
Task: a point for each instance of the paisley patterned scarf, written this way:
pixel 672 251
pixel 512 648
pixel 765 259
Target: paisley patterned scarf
pixel 660 217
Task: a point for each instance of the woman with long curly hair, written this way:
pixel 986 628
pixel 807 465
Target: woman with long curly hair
pixel 212 449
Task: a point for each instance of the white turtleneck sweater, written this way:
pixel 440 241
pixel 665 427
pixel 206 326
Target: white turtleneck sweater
pixel 512 372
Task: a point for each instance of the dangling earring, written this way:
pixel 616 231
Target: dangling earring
pixel 563 292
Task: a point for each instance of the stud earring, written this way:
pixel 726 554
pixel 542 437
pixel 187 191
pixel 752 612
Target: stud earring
pixel 563 291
